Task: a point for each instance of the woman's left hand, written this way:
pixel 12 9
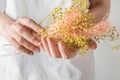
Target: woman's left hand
pixel 60 50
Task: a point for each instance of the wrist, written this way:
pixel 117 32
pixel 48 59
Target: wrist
pixel 5 21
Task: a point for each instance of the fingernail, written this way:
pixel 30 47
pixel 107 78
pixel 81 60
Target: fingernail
pixel 92 45
pixel 40 36
pixel 37 50
pixel 31 53
pixel 36 42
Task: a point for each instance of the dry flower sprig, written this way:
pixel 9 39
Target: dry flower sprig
pixel 76 26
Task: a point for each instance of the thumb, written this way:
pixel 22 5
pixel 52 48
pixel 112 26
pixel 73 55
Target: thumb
pixel 92 45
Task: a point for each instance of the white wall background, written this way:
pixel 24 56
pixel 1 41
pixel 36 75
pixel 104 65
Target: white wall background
pixel 108 61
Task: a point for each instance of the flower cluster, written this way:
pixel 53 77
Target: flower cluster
pixel 76 26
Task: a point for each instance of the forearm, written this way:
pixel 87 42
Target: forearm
pixel 4 21
pixel 99 9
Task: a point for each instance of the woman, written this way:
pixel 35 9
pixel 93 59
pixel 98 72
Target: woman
pixel 17 27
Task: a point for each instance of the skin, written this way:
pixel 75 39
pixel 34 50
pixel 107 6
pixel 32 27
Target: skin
pixel 100 9
pixel 20 33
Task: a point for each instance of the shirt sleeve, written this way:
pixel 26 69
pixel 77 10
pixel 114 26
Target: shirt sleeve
pixel 2 5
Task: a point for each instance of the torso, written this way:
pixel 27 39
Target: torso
pixel 41 66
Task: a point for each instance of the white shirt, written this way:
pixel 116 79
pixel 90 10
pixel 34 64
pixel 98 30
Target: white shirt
pixel 40 66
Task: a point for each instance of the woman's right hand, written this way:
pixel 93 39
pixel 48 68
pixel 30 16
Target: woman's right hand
pixel 20 34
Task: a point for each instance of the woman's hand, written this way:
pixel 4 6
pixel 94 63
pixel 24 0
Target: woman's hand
pixel 20 34
pixel 60 50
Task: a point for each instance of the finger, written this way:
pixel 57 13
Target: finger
pixel 20 47
pixel 28 34
pixel 27 44
pixel 92 45
pixel 40 43
pixel 41 46
pixel 45 45
pixel 53 48
pixel 29 23
pixel 63 50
